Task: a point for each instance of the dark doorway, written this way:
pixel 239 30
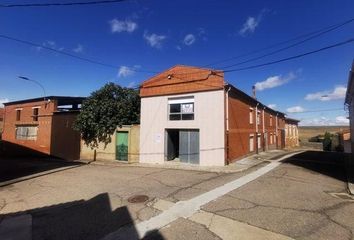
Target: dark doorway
pixel 182 145
pixel 172 147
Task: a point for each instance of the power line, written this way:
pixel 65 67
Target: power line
pixel 292 57
pixel 276 44
pixel 292 45
pixel 61 4
pixel 70 55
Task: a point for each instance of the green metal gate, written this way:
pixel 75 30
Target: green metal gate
pixel 122 146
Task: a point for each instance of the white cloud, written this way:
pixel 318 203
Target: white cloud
pixel 337 93
pixel 325 121
pixel 252 23
pixel 321 121
pixel 273 106
pixel 154 40
pixel 295 109
pixel 2 101
pixel 342 120
pixel 189 39
pixel 123 26
pixel 274 81
pixel 202 34
pixel 132 84
pixel 49 44
pixel 249 26
pixel 79 49
pixel 125 71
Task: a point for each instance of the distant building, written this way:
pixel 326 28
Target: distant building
pixel 291 132
pixel 192 115
pixel 2 112
pixel 42 127
pixel 349 102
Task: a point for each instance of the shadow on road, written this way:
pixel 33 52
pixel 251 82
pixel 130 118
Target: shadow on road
pixel 17 161
pixel 87 220
pixel 331 164
pixel 14 168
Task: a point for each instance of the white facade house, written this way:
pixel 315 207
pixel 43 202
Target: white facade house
pixel 203 121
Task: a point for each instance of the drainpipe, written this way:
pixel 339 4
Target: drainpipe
pixel 227 125
pixel 276 129
pixel 257 128
pixel 227 109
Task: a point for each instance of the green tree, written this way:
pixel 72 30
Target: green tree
pixel 327 142
pixel 104 110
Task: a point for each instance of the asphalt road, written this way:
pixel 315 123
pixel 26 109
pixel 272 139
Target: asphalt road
pixel 299 199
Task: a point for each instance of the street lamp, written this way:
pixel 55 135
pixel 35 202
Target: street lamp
pixel 36 82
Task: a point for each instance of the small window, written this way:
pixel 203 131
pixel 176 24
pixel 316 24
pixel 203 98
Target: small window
pixel 258 117
pixel 35 114
pixel 251 143
pixel 26 132
pixel 271 121
pixel 271 138
pixel 251 115
pixel 18 114
pixel 181 109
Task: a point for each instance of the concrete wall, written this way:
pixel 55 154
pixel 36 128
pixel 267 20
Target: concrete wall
pixel 208 118
pixel 108 152
pixel 65 141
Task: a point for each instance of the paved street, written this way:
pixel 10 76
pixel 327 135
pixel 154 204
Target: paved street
pixel 296 199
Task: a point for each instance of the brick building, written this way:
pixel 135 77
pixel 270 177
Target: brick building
pixel 42 127
pixel 291 132
pixel 193 115
pixel 1 120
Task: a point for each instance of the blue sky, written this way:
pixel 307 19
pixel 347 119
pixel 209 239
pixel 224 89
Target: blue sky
pixel 155 35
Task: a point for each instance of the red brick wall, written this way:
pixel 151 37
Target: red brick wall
pixel 240 127
pixel 42 144
pixel 183 79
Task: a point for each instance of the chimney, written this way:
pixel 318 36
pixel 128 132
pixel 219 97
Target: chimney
pixel 254 92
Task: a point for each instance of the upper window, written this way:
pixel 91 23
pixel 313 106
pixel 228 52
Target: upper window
pixel 258 117
pixel 271 121
pixel 18 114
pixel 251 115
pixel 181 108
pixel 35 114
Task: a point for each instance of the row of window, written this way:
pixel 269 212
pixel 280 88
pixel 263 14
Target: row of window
pixel 258 117
pixel 35 113
pixel 272 140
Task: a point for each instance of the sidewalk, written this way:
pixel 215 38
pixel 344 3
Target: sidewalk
pixel 237 166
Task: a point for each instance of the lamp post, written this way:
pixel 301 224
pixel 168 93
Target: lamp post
pixel 36 82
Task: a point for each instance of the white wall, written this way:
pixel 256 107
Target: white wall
pixel 208 118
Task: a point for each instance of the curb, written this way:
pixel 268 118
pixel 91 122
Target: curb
pixel 188 167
